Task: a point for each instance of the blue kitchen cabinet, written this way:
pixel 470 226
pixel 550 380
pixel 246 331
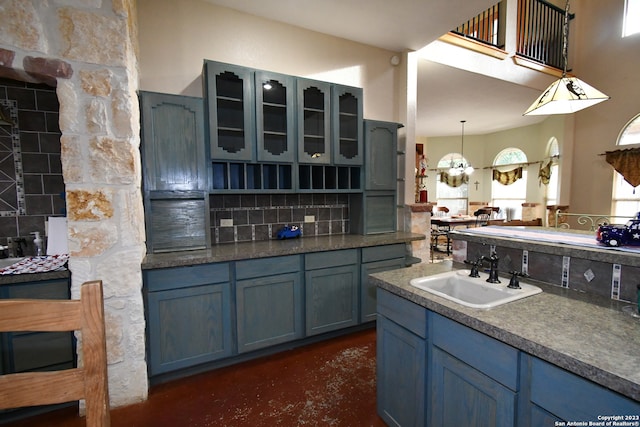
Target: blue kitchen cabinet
pixel 30 351
pixel 376 207
pixel 332 283
pixel 189 316
pixel 559 395
pixel 230 110
pixel 275 117
pixel 173 145
pixel 314 121
pixel 174 172
pixel 401 360
pixel 269 302
pixel 474 378
pixel 346 111
pixel 374 260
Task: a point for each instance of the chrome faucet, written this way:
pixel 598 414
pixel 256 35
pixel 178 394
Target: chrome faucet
pixel 493 267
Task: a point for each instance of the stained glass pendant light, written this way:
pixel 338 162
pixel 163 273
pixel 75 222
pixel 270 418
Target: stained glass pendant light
pixel 567 94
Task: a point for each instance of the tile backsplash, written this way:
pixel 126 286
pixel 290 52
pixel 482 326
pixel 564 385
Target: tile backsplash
pixel 255 217
pixel 34 181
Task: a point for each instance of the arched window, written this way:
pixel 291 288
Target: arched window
pixel 553 187
pixel 454 198
pixel 626 200
pixel 509 193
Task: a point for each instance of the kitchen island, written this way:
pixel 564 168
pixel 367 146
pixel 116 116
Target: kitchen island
pixel 559 356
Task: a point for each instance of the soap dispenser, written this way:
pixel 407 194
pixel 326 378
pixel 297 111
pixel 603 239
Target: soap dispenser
pixel 37 241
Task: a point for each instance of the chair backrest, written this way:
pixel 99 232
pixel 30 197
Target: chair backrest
pixel 441 211
pixel 482 216
pixel 88 382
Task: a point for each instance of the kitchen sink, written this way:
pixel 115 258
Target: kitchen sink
pixel 473 292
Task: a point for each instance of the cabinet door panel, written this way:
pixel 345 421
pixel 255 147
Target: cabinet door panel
pixel 381 153
pixel 401 376
pixel 461 395
pixel 173 142
pixel 314 119
pixel 269 311
pixel 346 110
pixel 230 104
pixel 368 290
pixel 188 326
pixel 331 298
pixel 275 115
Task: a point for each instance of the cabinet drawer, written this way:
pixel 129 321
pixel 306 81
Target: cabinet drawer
pixel 403 312
pixel 378 253
pixel 183 277
pixel 331 259
pixel 586 400
pixel 267 266
pixel 488 355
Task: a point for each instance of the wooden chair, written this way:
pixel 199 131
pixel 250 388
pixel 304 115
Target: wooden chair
pixel 88 382
pixel 482 216
pixel 437 233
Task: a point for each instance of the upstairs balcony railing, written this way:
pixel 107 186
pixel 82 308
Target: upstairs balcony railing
pixel 487 27
pixel 540 32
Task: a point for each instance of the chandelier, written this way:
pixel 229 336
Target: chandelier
pixel 567 94
pixel 462 167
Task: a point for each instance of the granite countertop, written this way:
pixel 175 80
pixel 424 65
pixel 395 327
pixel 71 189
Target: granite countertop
pixel 9 279
pixel 269 248
pixel 584 334
pixel 563 245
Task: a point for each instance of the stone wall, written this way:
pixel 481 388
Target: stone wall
pixel 87 49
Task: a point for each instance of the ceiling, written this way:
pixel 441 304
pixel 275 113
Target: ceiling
pixel 446 94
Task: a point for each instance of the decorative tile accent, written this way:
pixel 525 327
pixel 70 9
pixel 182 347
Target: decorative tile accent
pixel 615 281
pixel 259 216
pixel 525 261
pixel 566 261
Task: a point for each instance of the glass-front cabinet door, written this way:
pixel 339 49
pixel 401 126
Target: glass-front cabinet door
pixel 275 110
pixel 230 108
pixel 314 135
pixel 347 125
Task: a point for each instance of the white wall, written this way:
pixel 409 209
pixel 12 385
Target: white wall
pixel 175 40
pixel 610 63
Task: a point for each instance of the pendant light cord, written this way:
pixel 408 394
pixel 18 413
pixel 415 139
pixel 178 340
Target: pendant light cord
pixel 565 39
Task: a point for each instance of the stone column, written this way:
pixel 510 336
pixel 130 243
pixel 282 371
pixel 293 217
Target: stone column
pixel 419 220
pixel 88 50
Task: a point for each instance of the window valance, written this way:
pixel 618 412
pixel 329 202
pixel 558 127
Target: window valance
pixel 627 163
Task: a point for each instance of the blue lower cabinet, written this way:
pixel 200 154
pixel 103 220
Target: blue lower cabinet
pixel 472 379
pixel 268 308
pixel 401 361
pixel 332 282
pixel 375 260
pixel 188 316
pixel 464 396
pixel 568 397
pixel 188 326
pixel 41 351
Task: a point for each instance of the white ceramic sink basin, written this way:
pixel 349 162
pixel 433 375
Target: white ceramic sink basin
pixel 476 292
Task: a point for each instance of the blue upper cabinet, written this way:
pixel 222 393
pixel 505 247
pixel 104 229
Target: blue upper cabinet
pixel 346 109
pixel 230 102
pixel 173 142
pixel 314 119
pixel 275 112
